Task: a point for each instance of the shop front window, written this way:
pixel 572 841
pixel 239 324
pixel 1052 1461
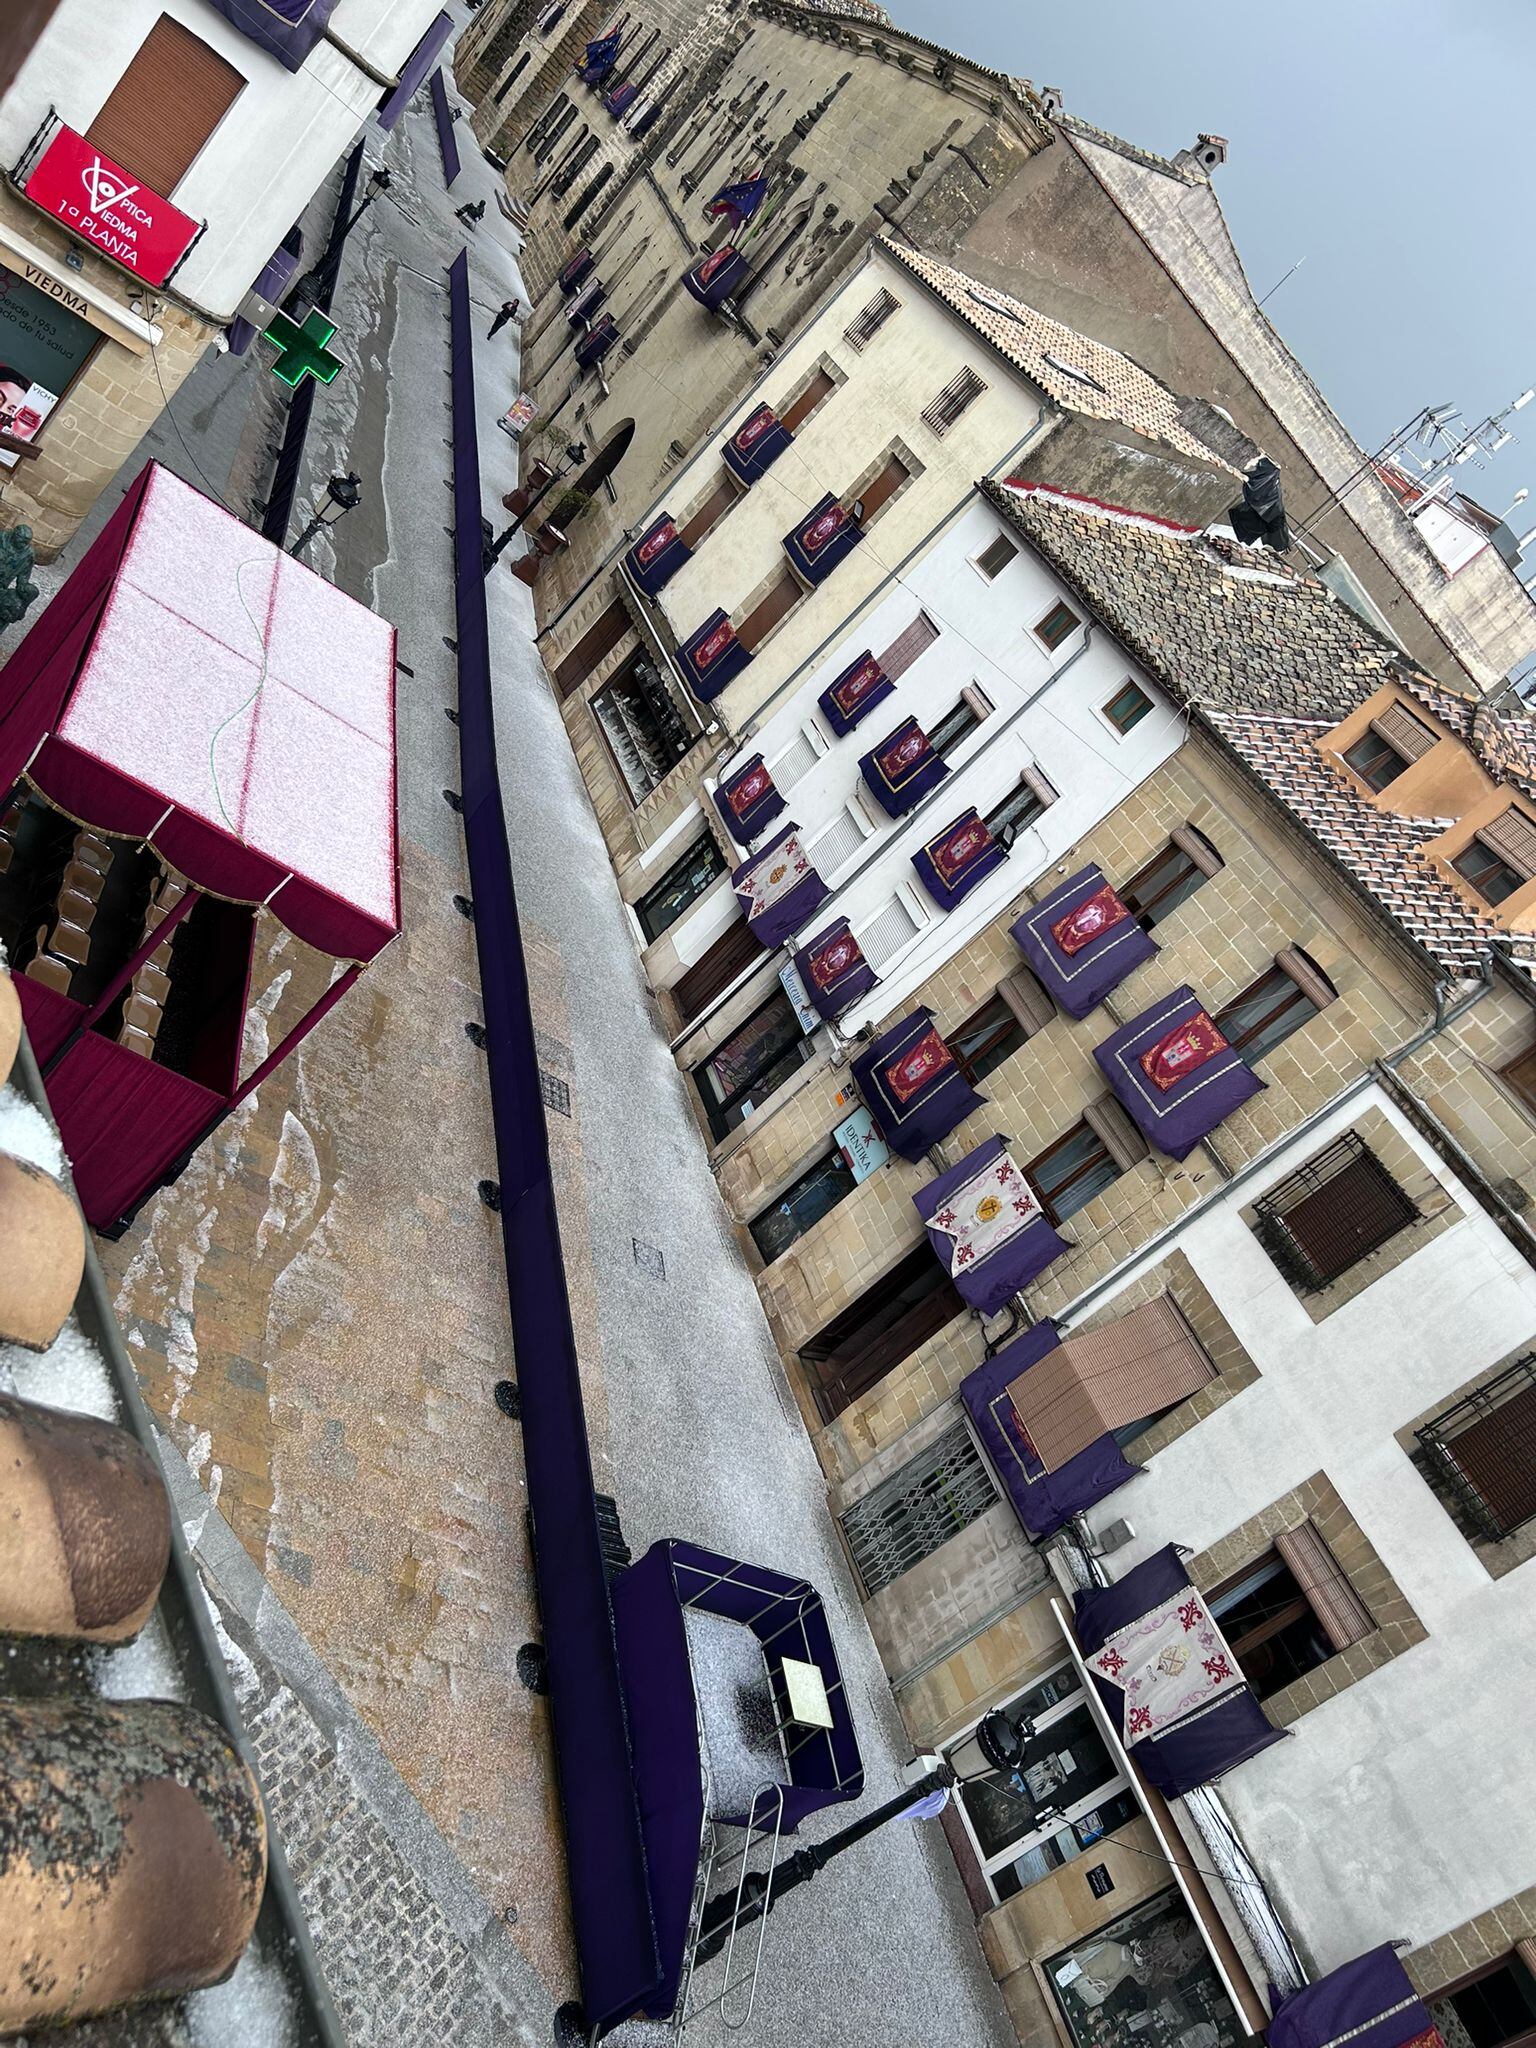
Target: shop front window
pixel 43 348
pixel 681 886
pixel 751 1065
pixel 1144 1981
pixel 804 1202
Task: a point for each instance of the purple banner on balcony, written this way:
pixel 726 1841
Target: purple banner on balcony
pixel 580 312
pixel 987 1228
pixel 596 342
pixel 862 685
pixel 657 555
pixel 712 656
pixel 1370 2003
pixel 276 276
pixel 286 29
pixel 620 100
pixel 954 860
pixel 575 271
pixel 1082 941
pixel 834 970
pixel 747 800
pixel 912 1087
pixel 715 276
pixel 756 444
pixel 1174 1071
pixel 1167 1676
pixel 1042 1500
pixel 778 889
pixel 819 543
pixel 902 769
pixel 414 70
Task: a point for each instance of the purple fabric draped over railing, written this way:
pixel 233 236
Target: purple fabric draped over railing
pixel 447 140
pixel 1175 1072
pixel 570 278
pixel 286 29
pixel 957 857
pixel 579 313
pixel 1206 1743
pixel 712 656
pixel 747 800
pixel 605 1861
pixel 756 444
pixel 415 68
pixel 1081 941
pixel 1368 2003
pixel 596 342
pixel 900 772
pixel 657 555
pixel 852 695
pixel 618 102
pixel 912 1086
pixel 987 1228
pixel 1043 1501
pixel 778 889
pixel 833 969
pixel 823 538
pixel 275 278
pixel 715 276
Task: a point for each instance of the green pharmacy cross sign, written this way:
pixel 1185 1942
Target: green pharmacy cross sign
pixel 302 351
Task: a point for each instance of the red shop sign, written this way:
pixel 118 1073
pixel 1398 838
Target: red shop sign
pixel 97 199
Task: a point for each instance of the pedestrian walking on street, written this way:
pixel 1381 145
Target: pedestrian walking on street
pixel 509 309
pixel 472 212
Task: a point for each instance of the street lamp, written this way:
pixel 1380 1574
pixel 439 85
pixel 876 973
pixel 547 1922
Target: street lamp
pixel 316 285
pixel 575 454
pixel 342 495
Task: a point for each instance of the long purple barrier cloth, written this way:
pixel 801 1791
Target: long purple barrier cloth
pixel 447 141
pixel 610 1901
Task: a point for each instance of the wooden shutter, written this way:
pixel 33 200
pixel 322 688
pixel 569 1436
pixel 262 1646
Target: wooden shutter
pixel 886 485
pixel 1027 1000
pixel 1105 1379
pixel 1410 736
pixel 735 949
pixel 907 646
pixel 1120 1137
pixel 767 612
pixel 1513 838
pixel 1354 1206
pixel 714 507
pixel 165 106
pixel 881 1330
pixel 598 640
pixel 821 386
pixel 1344 1616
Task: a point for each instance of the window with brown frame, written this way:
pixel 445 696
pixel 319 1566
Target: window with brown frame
pixel 1072 1172
pixel 1390 743
pixel 1269 1624
pixel 819 388
pixel 1491 2007
pixel 710 513
pixel 736 949
pixel 1500 858
pixel 599 640
pixel 987 1038
pixel 884 487
pixel 777 604
pixel 1128 707
pixel 1171 877
pixel 1331 1213
pixel 1059 622
pixel 174 93
pixel 1481 1452
pixel 904 1308
pixel 1286 996
pixel 862 329
pixel 995 557
pixel 962 391
pixel 1520 1075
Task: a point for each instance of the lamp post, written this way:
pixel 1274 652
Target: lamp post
pixel 342 495
pixel 315 286
pixel 575 454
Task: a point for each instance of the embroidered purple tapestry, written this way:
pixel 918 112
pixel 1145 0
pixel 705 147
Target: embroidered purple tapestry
pixel 1369 2003
pixel 1167 1676
pixel 833 968
pixel 951 863
pixel 747 800
pixel 902 769
pixel 912 1087
pixel 1175 1072
pixel 596 342
pixel 580 312
pixel 822 540
pixel 715 276
pixel 1042 1500
pixel 756 445
pixel 286 29
pixel 657 555
pixel 779 889
pixel 712 656
pixel 854 694
pixel 619 101
pixel 570 278
pixel 1082 941
pixel 987 1228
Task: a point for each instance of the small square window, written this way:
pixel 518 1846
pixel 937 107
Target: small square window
pixel 986 1039
pixel 1489 873
pixel 1129 705
pixel 1171 877
pixel 1020 807
pixel 1059 622
pixel 803 1203
pixel 995 557
pixel 1068 1175
pixel 1375 761
pixel 1482 1451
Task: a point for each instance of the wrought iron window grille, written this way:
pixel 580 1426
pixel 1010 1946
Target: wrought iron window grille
pixel 1491 1479
pixel 1331 1213
pixel 908 1516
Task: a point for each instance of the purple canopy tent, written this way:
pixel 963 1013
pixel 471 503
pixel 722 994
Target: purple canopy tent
pixel 1168 1678
pixel 912 1087
pixel 987 1228
pixel 756 445
pixel 900 772
pixel 822 539
pixel 747 800
pixel 854 694
pixel 712 655
pixel 955 859
pixel 1369 2003
pixel 778 888
pixel 1081 941
pixel 1175 1072
pixel 173 701
pixel 663 1688
pixel 714 277
pixel 1042 1500
pixel 833 969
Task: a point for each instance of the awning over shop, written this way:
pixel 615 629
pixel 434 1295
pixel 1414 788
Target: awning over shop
pixel 955 859
pixel 712 656
pixel 756 445
pixel 1369 2003
pixel 1082 941
pixel 986 1227
pixel 854 694
pixel 778 888
pixel 715 276
pixel 747 800
pixel 822 539
pixel 1168 1678
pixel 902 769
pixel 1175 1072
pixel 1102 1380
pixel 1042 1500
pixel 657 555
pixel 833 968
pixel 912 1087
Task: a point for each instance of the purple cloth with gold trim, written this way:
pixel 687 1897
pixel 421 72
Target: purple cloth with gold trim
pixel 822 539
pixel 778 888
pixel 712 656
pixel 833 968
pixel 715 276
pixel 1207 1742
pixel 1369 2003
pixel 620 100
pixel 657 555
pixel 596 342
pixel 987 1227
pixel 902 769
pixel 1175 1073
pixel 854 694
pixel 912 1086
pixel 1042 1500
pixel 756 444
pixel 576 269
pixel 286 29
pixel 1082 941
pixel 956 858
pixel 582 309
pixel 747 800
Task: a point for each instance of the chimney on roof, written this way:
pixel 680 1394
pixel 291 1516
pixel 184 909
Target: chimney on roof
pixel 1208 154
pixel 1260 518
pixel 1052 101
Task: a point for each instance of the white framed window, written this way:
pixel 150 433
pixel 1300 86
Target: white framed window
pixel 1074 1794
pixel 833 848
pixel 797 760
pixel 891 929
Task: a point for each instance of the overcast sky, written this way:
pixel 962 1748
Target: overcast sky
pixel 1385 141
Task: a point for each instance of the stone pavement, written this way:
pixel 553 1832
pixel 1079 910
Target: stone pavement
pixel 318 1310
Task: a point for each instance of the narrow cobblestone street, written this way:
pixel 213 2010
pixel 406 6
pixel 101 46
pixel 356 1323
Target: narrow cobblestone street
pixel 318 1309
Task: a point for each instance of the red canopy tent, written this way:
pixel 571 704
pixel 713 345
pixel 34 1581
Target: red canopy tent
pixel 218 713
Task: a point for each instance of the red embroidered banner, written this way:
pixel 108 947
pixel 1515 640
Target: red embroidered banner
pixel 746 437
pixel 98 200
pixel 815 534
pixel 907 747
pixel 713 646
pixel 850 693
pixel 1187 1046
pixel 958 847
pixel 656 541
pixel 918 1065
pixel 749 789
pixel 833 960
pixel 1096 914
pixel 715 261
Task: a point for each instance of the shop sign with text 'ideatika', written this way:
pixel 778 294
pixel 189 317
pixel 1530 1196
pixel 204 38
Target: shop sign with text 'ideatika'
pixel 96 199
